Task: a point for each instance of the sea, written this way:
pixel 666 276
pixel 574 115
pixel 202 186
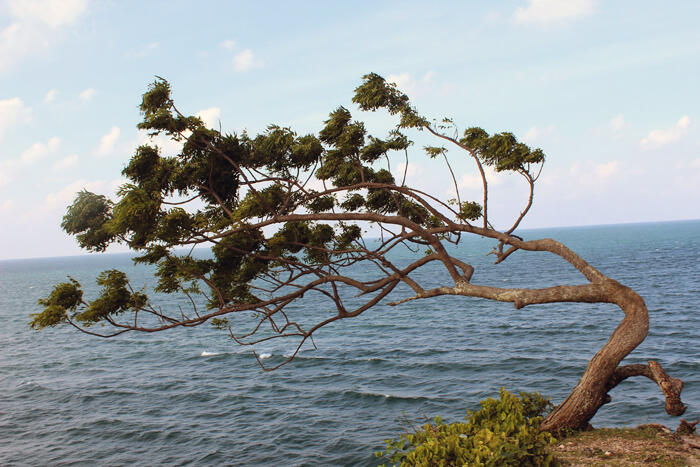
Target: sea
pixel 194 397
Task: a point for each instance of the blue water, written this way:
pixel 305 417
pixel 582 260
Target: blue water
pixel 193 397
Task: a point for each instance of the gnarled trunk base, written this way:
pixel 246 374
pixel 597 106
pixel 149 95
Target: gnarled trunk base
pixel 603 372
pixel 579 408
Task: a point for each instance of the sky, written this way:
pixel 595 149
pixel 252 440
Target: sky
pixel 608 90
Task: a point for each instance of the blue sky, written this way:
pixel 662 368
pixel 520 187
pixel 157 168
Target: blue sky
pixel 607 89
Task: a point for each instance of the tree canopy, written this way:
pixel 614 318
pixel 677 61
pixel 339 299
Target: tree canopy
pixel 284 214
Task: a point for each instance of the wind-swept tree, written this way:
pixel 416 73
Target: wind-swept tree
pixel 275 241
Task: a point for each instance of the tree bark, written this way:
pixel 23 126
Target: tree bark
pixel 603 373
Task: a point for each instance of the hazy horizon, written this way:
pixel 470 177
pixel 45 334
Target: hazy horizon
pixel 529 229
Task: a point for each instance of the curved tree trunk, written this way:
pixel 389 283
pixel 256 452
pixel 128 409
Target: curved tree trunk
pixel 602 373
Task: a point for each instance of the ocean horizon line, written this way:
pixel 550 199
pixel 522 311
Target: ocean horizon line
pixel 526 229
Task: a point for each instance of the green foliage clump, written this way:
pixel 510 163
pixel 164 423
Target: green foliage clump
pixel 353 202
pixel 470 210
pixel 87 218
pixel 115 298
pixel 433 151
pixel 281 150
pixel 321 204
pixel 263 203
pixel 156 107
pixel 349 234
pixel 375 93
pixel 136 214
pixel 64 296
pixel 502 151
pixel 378 148
pixel 505 432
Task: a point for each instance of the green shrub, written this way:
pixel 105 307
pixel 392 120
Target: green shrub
pixel 505 432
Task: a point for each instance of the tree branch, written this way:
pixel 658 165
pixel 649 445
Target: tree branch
pixel 670 387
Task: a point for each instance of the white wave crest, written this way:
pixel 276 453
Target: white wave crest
pixel 208 354
pixel 263 356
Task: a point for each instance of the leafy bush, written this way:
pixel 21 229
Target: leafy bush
pixel 505 432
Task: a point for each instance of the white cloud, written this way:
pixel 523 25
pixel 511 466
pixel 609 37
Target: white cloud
pixel 607 170
pixel 401 80
pixel 33 153
pixel 659 137
pixel 617 123
pixel 553 11
pixel 39 150
pixel 8 167
pixel 535 134
pixel 411 170
pixel 17 40
pixel 6 205
pixel 228 44
pixel 35 25
pixel 151 46
pixel 589 174
pixel 13 112
pixel 410 85
pixel 245 61
pixel 472 180
pixel 108 141
pixel 166 146
pixel 66 195
pixel 53 13
pixel 210 116
pixel 53 143
pixel 87 94
pixel 696 163
pixel 66 162
pixel 50 96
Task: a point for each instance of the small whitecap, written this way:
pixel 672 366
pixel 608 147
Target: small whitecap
pixel 263 356
pixel 208 354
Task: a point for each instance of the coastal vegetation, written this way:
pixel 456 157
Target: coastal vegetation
pixel 503 432
pixel 284 216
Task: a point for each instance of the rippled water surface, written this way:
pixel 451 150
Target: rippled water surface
pixel 192 397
